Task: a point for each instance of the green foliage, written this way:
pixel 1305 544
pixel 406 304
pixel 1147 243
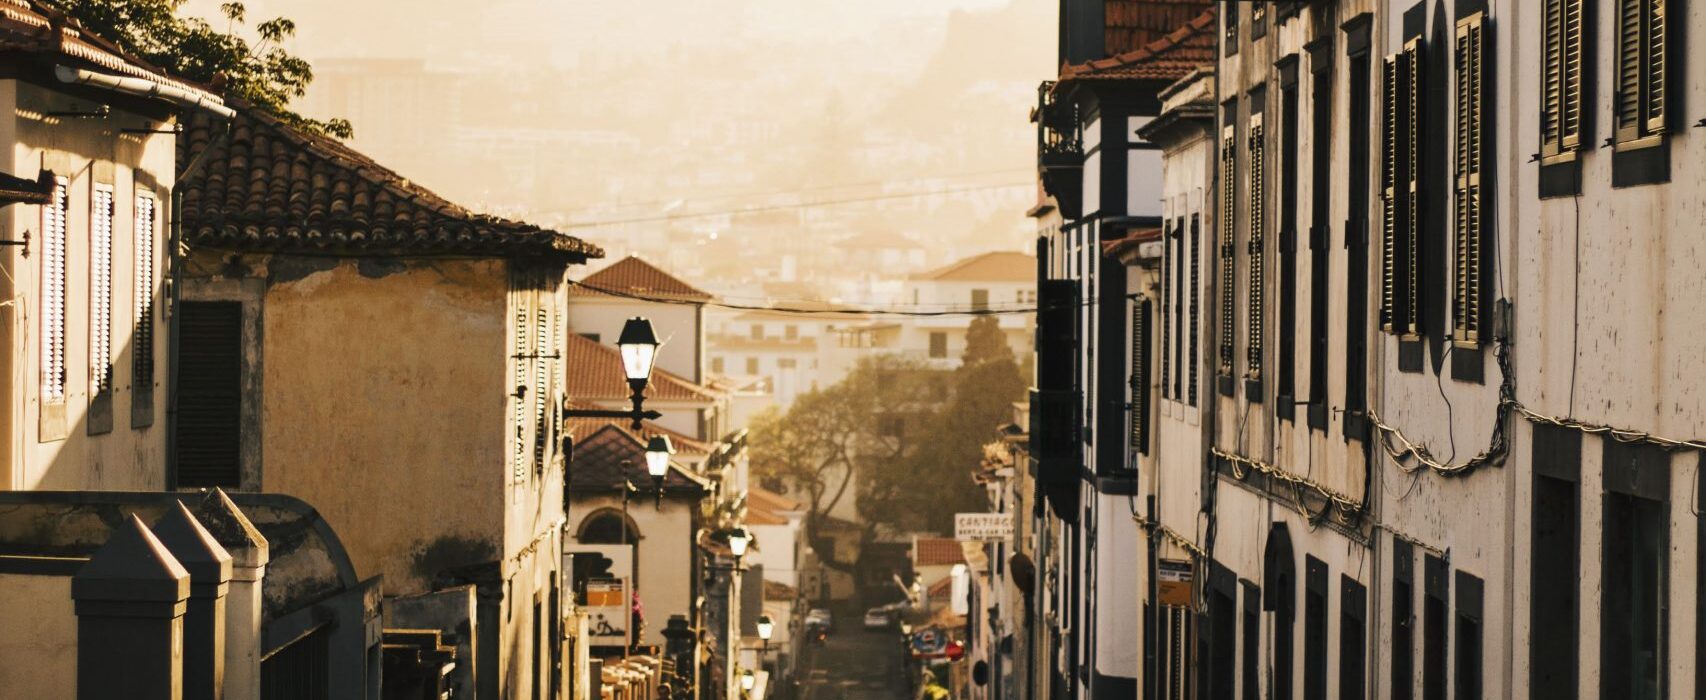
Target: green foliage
pixel 263 74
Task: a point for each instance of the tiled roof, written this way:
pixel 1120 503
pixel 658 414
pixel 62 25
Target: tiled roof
pixel 995 266
pixel 598 464
pixel 1130 241
pixel 595 373
pixel 1129 25
pixel 755 516
pixel 1169 57
pixel 269 187
pixel 936 551
pixel 633 276
pixel 759 497
pixel 35 28
pixel 17 190
pixel 941 588
pixel 684 444
pixel 776 590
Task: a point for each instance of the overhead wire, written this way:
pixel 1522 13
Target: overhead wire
pixel 794 207
pixel 809 309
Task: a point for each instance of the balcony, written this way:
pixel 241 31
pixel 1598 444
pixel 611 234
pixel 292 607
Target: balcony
pixel 1060 150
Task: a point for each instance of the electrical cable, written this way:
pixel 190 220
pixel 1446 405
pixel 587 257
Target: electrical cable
pixel 899 310
pixel 794 207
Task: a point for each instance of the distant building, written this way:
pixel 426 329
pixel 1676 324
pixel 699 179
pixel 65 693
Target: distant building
pixel 601 302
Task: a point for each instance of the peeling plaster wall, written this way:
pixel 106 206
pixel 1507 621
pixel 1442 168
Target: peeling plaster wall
pixel 384 409
pixel 60 451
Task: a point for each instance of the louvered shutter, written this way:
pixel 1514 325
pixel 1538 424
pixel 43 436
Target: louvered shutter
pixel 53 273
pixel 1168 279
pixel 1389 199
pixel 1193 360
pixel 1657 64
pixel 1629 69
pixel 1228 209
pixel 209 413
pixel 101 290
pixel 1561 78
pixel 1469 224
pixel 1256 296
pixel 1412 161
pixel 541 403
pixel 142 356
pixel 1181 290
pixel 1140 337
pixel 518 454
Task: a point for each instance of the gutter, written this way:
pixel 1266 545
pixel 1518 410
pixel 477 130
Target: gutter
pixel 143 87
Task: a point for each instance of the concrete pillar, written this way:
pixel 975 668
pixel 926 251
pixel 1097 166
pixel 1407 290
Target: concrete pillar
pixel 204 622
pixel 249 555
pixel 130 601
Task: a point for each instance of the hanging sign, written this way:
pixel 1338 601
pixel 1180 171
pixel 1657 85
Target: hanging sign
pixel 983 527
pixel 1173 582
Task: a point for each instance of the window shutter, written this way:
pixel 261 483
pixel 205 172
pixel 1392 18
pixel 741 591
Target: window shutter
pixel 1389 264
pixel 1561 78
pixel 541 403
pixel 1629 69
pixel 1228 296
pixel 1140 334
pixel 1168 279
pixel 209 416
pixel 53 274
pixel 1412 162
pixel 519 449
pixel 1181 289
pixel 1256 298
pixel 101 290
pixel 142 356
pixel 1471 101
pixel 1193 360
pixel 1657 64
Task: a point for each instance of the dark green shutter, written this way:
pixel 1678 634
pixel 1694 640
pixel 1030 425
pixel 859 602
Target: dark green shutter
pixel 209 418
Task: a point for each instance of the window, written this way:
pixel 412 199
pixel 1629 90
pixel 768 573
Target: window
pixel 1191 361
pixel 53 273
pixel 1256 294
pixel 1435 631
pixel 1357 36
pixel 717 365
pixel 1320 230
pixel 938 345
pixel 1216 674
pixel 1178 625
pixel 1314 629
pixel 786 363
pixel 142 358
pixel 1403 621
pixel 1401 181
pixel 757 331
pixel 1470 223
pixel 979 299
pixel 1642 92
pixel 100 290
pixel 1468 670
pixel 518 413
pixel 752 365
pixel 791 332
pixel 209 421
pixel 1554 586
pixel 1635 573
pixel 1140 337
pixel 1230 17
pixel 1287 371
pixel 1353 611
pixel 1562 83
pixel 1228 291
pixel 1252 660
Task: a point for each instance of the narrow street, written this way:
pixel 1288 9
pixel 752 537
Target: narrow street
pixel 855 664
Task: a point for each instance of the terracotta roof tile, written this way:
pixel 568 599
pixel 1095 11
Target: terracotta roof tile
pixel 994 266
pixel 770 500
pixel 941 588
pixel 269 187
pixel 1190 45
pixel 776 590
pixel 32 27
pixel 633 276
pixel 598 464
pixel 595 373
pixel 755 516
pixel 936 551
pixel 1129 25
pixel 684 444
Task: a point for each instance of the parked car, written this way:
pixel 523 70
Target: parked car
pixel 879 618
pixel 821 618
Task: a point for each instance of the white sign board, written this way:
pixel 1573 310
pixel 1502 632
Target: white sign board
pixel 607 612
pixel 983 527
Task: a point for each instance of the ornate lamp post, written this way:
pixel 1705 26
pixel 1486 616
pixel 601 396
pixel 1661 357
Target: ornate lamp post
pixel 639 346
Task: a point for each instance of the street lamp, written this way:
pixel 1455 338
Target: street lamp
pixel 747 680
pixel 766 627
pixel 658 450
pixel 639 346
pixel 738 539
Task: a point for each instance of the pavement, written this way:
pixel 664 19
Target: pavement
pixel 855 664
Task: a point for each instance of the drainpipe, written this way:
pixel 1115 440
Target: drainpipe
pixel 144 87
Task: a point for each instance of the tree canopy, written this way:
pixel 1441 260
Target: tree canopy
pixel 263 74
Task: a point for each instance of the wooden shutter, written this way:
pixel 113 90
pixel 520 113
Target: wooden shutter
pixel 1469 224
pixel 1140 336
pixel 1168 231
pixel 1181 290
pixel 209 418
pixel 1255 300
pixel 1413 78
pixel 1389 199
pixel 1228 210
pixel 53 273
pixel 100 290
pixel 1643 96
pixel 518 453
pixel 541 402
pixel 1193 360
pixel 142 353
pixel 1561 79
pixel 1657 65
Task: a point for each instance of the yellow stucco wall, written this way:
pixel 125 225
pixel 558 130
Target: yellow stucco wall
pixel 38 652
pixel 384 398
